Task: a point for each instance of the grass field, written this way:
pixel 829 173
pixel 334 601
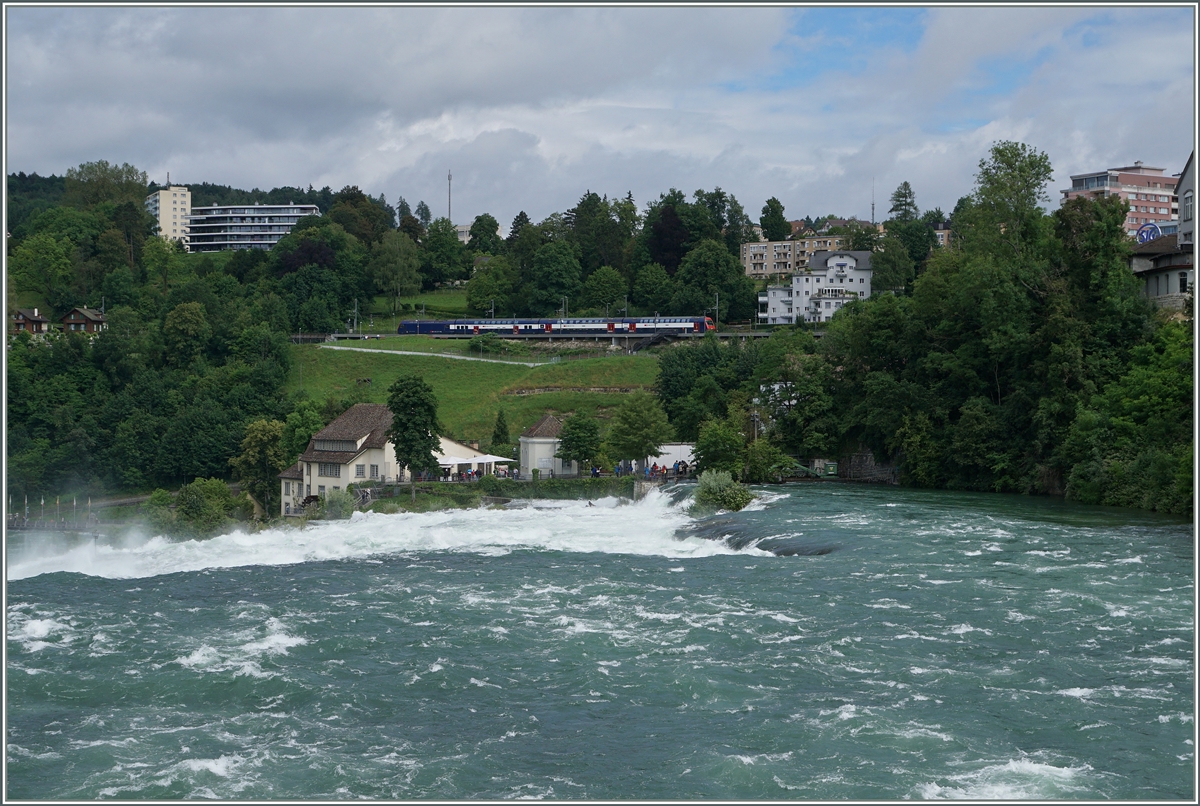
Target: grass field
pixel 471 392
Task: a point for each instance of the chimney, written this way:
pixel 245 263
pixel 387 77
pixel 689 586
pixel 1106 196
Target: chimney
pixel 474 443
pixel 35 312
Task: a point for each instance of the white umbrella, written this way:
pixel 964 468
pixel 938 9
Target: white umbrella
pixel 455 460
pixel 496 460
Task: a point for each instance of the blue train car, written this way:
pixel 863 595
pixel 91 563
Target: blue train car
pixel 549 328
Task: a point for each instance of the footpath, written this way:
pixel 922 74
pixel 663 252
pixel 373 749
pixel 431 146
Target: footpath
pixel 438 355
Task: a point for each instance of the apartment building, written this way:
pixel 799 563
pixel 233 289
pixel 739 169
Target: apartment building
pixel 256 226
pixel 1150 194
pixel 773 258
pixel 171 207
pixel 831 280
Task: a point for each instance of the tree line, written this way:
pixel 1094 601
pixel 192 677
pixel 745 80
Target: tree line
pixel 1021 358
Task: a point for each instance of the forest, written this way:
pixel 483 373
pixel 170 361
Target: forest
pixel 1020 358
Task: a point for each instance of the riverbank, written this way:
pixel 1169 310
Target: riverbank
pixel 432 496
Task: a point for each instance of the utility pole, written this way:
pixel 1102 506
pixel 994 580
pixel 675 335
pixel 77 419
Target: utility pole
pixel 717 312
pixel 872 201
pixel 449 209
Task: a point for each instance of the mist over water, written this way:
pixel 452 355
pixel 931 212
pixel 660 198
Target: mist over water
pixel 831 641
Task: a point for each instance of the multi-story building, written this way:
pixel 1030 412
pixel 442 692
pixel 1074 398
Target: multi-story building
pixel 1150 194
pixel 171 207
pixel 831 280
pixel 1186 191
pixel 773 258
pixel 236 226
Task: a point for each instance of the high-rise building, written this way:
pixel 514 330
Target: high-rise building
pixel 256 226
pixel 171 207
pixel 1150 194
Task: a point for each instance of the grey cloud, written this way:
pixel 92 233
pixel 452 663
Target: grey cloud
pixel 531 107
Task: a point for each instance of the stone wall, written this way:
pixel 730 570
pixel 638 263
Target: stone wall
pixel 861 466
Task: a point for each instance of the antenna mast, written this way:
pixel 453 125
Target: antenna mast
pixel 449 209
pixel 872 200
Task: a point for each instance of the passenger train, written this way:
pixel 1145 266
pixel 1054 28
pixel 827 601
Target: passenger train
pixel 548 328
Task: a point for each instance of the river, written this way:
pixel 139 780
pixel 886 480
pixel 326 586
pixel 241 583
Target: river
pixel 832 641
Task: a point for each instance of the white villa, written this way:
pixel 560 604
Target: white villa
pixel 354 448
pixel 831 280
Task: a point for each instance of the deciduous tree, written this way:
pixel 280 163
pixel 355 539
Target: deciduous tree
pixel 639 428
pixel 260 462
pixel 415 428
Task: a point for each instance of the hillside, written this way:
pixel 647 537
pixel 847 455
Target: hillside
pixel 471 392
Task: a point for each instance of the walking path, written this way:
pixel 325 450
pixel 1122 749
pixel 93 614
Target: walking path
pixel 438 355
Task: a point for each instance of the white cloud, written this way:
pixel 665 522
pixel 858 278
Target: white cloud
pixel 531 107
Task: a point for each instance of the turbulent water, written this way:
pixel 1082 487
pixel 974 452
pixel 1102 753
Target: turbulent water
pixel 831 642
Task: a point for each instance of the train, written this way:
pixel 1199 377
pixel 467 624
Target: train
pixel 546 328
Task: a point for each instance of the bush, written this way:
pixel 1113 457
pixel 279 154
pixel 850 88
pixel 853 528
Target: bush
pixel 339 504
pixel 718 489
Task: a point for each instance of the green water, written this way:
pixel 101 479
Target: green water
pixel 909 645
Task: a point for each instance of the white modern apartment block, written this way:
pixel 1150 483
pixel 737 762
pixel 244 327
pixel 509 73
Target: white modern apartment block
pixel 831 280
pixel 171 207
pixel 771 258
pixel 239 226
pixel 1150 194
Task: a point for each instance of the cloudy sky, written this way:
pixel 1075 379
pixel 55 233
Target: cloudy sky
pixel 531 107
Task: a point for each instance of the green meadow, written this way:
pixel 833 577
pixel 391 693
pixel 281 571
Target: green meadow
pixel 471 392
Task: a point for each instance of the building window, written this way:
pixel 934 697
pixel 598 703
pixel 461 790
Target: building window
pixel 360 471
pixel 287 509
pixel 308 489
pixel 1183 282
pixel 329 470
pixel 374 471
pixel 1187 206
pixel 287 488
pixel 320 489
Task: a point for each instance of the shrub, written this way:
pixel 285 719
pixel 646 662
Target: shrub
pixel 718 489
pixel 339 504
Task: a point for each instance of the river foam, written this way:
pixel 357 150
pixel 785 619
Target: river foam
pixel 647 527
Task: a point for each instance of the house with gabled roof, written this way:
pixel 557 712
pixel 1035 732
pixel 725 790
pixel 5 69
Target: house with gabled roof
pixel 84 320
pixel 538 444
pixel 354 449
pixel 29 320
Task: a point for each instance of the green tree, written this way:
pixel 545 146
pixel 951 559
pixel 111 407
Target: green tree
pixel 639 428
pixel 395 264
pixel 579 440
pixel 654 288
pixel 362 216
pixel 492 284
pixel 43 264
pixel 415 428
pixel 554 274
pixel 719 446
pixel 892 267
pixel 95 182
pixel 445 255
pixel 260 462
pixel 774 226
pixel 763 462
pixel 204 507
pixel 709 270
pixel 604 287
pixel 423 215
pixel 485 235
pixel 299 427
pixel 158 258
pixel 500 432
pixel 186 333
pixel 904 203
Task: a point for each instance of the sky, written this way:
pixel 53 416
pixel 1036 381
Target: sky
pixel 530 108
